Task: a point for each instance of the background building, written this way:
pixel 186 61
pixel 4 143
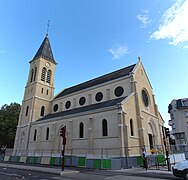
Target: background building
pixel 178 110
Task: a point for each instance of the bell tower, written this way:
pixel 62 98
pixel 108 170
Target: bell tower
pixel 39 92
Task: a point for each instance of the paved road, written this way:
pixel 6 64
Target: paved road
pixel 7 173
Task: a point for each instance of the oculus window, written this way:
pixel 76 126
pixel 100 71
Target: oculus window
pixel 82 101
pixel 99 96
pixel 67 104
pixel 119 91
pixel 55 107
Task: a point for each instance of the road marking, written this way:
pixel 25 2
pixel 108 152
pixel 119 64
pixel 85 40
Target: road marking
pixel 34 176
pixel 60 178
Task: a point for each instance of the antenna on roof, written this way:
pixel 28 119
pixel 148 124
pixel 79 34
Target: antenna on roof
pixel 48 25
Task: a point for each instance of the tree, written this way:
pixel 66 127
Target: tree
pixel 9 116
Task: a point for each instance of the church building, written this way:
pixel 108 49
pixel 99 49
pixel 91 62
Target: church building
pixel 110 116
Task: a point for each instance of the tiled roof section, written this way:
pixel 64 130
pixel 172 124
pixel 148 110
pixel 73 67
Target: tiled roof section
pixel 83 109
pixel 96 81
pixel 45 50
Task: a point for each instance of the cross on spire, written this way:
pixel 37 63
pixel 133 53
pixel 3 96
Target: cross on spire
pixel 48 25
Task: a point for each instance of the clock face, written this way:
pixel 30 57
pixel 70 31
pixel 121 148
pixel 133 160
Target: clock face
pixel 34 63
pixel 47 64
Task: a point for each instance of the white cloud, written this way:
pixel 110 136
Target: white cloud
pixel 174 24
pixel 185 47
pixel 118 51
pixel 144 18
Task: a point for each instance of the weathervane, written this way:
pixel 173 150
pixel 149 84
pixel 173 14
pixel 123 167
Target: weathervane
pixel 48 25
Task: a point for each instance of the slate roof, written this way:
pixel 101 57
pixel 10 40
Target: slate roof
pixel 45 51
pixel 83 109
pixel 102 79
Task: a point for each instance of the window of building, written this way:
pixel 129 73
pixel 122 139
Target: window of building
pixel 48 80
pixel 47 133
pixel 119 91
pixel 184 102
pixel 131 127
pixel 56 107
pixel 43 75
pixel 99 96
pixel 145 97
pixel 27 110
pixel 186 113
pixel 82 101
pixel 42 90
pixel 47 92
pixel 32 73
pixel 104 127
pixel 81 134
pixel 35 73
pixel 42 111
pixel 67 104
pixel 35 135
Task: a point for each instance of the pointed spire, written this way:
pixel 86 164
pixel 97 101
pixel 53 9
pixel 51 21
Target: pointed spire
pixel 45 51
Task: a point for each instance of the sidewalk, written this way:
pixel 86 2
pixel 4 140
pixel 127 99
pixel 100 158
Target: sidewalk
pixel 52 170
pixel 57 170
pixel 151 170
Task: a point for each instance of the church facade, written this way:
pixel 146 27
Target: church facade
pixel 109 114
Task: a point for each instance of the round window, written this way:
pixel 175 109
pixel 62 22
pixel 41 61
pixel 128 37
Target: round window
pixel 82 101
pixel 67 104
pixel 56 107
pixel 119 91
pixel 99 96
pixel 145 98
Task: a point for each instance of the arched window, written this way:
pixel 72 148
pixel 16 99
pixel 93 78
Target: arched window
pixel 48 80
pixel 81 135
pixel 35 73
pixel 32 73
pixel 27 110
pixel 42 90
pixel 43 75
pixel 104 127
pixel 42 111
pixel 35 135
pixel 131 127
pixel 47 133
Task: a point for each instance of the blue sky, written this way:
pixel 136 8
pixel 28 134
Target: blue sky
pixel 90 38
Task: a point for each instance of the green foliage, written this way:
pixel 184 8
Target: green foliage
pixel 9 116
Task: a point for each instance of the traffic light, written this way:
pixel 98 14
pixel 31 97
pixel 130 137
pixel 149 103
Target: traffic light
pixel 63 131
pixel 167 132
